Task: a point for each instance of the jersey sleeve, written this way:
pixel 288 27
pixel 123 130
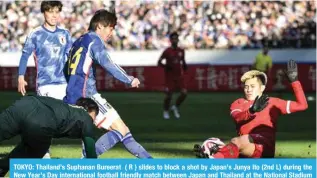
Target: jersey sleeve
pixel 28 48
pixel 89 141
pixel 238 112
pixel 99 54
pixel 287 107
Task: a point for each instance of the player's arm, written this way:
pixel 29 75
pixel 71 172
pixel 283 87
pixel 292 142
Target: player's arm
pixel 183 61
pixel 28 48
pixel 160 61
pixel 89 141
pixel 287 107
pixel 239 114
pixel 89 144
pixel 99 54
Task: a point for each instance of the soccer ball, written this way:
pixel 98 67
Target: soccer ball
pixel 211 145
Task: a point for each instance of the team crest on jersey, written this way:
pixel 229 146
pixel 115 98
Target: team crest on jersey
pixel 180 54
pixel 62 39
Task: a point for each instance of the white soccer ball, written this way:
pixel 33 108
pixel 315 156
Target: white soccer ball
pixel 210 143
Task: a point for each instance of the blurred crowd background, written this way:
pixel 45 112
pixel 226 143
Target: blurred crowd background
pixel 146 24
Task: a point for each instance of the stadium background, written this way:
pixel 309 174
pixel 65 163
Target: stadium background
pixel 221 41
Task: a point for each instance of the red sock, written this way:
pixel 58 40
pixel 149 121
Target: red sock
pixel 229 151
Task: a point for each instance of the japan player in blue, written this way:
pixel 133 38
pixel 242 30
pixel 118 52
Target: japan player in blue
pixel 87 52
pixel 50 45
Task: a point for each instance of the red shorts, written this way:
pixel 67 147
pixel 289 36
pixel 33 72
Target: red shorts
pixel 175 84
pixel 264 146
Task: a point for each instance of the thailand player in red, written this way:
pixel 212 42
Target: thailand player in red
pixel 174 66
pixel 256 117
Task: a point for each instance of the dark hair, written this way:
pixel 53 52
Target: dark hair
pixel 88 104
pixel 47 5
pixel 103 17
pixel 173 34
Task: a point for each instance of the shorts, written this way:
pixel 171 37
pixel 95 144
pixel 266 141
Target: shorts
pixel 264 146
pixel 107 114
pixel 55 91
pixel 176 84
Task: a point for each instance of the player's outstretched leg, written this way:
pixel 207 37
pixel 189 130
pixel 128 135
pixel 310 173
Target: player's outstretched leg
pixel 167 103
pixel 118 129
pixel 239 145
pixel 231 150
pixel 181 98
pixel 128 141
pixel 107 141
pixel 134 147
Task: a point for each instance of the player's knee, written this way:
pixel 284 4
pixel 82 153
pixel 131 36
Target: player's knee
pixel 241 141
pixel 235 141
pixel 120 126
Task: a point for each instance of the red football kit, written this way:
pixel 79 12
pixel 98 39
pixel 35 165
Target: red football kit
pixel 174 73
pixel 261 126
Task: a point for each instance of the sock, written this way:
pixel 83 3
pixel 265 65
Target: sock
pixel 180 99
pixel 229 151
pixel 134 147
pixel 107 141
pixel 167 102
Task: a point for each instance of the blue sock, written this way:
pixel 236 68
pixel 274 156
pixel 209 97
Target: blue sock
pixel 107 141
pixel 134 147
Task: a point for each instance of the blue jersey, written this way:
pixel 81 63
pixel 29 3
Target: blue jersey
pixel 88 51
pixel 50 50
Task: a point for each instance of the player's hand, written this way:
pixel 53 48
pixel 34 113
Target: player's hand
pixel 135 83
pixel 291 72
pixel 21 85
pixel 259 104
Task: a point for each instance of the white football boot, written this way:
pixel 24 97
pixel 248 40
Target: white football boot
pixel 166 115
pixel 175 111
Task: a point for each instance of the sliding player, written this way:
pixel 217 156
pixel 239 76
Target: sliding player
pixel 256 116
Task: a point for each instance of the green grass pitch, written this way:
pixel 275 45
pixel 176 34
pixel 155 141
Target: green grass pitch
pixel 203 115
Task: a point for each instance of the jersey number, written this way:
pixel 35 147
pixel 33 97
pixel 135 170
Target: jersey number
pixel 74 61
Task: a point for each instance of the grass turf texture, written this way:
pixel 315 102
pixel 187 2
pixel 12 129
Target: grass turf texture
pixel 203 115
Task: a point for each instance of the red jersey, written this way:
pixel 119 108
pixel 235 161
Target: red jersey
pixel 175 59
pixel 264 122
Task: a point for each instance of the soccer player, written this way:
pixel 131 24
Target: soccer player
pixel 174 67
pixel 50 45
pixel 256 116
pixel 87 52
pixel 38 119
